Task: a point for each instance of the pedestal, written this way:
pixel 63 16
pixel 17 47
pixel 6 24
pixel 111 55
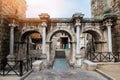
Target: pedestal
pixel 11 59
pixel 79 61
pixel 43 57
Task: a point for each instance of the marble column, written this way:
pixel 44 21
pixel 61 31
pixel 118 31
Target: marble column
pixel 78 56
pixel 78 39
pixel 109 34
pixel 71 57
pixel 12 41
pixel 48 51
pixel 109 38
pixel 73 52
pixel 11 54
pixel 44 40
pixel 44 25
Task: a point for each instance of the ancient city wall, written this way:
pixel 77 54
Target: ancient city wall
pixel 9 7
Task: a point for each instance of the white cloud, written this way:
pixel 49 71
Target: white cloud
pixel 55 8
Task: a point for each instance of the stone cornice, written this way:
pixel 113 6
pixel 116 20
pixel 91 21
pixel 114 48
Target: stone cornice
pixel 91 20
pixel 109 16
pixel 32 20
pixel 61 20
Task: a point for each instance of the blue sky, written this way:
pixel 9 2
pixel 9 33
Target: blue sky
pixel 58 8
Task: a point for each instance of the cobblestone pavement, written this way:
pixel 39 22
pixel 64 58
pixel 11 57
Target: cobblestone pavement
pixel 65 75
pixel 9 77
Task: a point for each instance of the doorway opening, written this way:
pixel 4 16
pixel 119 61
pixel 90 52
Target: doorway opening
pixel 64 42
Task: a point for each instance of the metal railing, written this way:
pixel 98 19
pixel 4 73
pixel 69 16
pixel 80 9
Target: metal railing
pixel 103 56
pixel 15 67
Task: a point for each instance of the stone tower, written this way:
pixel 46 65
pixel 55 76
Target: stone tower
pixel 101 7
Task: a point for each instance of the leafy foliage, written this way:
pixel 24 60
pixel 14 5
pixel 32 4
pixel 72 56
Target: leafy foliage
pixel 107 10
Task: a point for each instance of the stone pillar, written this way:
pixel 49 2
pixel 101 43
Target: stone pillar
pixel 44 40
pixel 78 56
pixel 109 34
pixel 77 17
pixel 44 18
pixel 11 54
pixel 109 39
pixel 44 25
pixel 78 39
pixel 73 52
pixel 48 51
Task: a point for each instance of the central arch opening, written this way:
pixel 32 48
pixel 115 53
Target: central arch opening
pixel 61 49
pixel 60 41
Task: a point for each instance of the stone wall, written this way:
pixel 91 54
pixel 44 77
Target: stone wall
pixel 4 39
pixel 116 29
pixel 99 7
pixel 14 7
pixel 0 5
pixel 9 7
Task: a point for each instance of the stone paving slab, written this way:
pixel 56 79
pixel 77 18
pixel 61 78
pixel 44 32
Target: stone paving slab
pixel 111 69
pixel 77 74
pixel 9 77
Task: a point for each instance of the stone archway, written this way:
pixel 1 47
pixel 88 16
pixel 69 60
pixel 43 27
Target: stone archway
pixel 72 37
pixel 97 40
pixel 96 33
pixel 29 32
pixel 35 50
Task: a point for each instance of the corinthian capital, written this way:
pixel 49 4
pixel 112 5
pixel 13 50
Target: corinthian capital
pixel 44 24
pixel 13 24
pixel 77 22
pixel 77 18
pixel 109 22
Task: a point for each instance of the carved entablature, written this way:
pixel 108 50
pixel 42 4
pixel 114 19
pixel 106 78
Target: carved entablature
pixel 30 24
pixel 108 20
pixel 77 18
pixel 13 21
pixel 45 19
pixel 91 23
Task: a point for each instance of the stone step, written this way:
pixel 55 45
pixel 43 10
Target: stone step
pixel 60 53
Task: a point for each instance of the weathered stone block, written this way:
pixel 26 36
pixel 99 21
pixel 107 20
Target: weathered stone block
pixel 37 65
pixel 89 65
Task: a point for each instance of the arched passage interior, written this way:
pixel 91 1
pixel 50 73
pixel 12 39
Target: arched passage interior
pixel 32 44
pixel 61 35
pixel 94 40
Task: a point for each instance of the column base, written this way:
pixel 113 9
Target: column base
pixel 79 61
pixel 11 59
pixel 71 63
pixel 43 56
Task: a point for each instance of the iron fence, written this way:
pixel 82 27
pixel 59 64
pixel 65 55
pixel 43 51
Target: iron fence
pixel 103 56
pixel 15 67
